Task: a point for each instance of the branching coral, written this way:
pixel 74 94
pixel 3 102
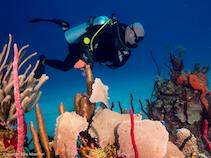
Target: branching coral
pixel 29 86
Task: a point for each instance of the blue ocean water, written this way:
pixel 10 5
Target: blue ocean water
pixel 167 24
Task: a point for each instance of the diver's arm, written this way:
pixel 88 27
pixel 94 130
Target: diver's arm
pixel 69 61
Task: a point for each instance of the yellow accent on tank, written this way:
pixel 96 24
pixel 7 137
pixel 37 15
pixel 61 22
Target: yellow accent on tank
pixel 86 40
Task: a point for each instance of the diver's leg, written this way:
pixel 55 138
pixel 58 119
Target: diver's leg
pixel 70 60
pixel 67 64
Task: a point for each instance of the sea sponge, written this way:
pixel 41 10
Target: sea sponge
pixel 151 139
pixel 68 127
pixel 99 92
pixel 173 151
pixel 190 147
pixel 194 109
pixel 104 125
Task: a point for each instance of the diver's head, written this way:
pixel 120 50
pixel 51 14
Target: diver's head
pixel 134 33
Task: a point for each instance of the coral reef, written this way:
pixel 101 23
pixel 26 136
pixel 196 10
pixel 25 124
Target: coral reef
pixel 178 111
pixel 182 101
pixel 103 133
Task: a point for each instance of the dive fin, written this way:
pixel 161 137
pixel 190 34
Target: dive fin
pixel 39 20
pixel 40 68
pixel 39 71
pixel 62 23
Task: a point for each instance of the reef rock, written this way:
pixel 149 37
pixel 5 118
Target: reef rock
pixel 68 126
pixel 151 139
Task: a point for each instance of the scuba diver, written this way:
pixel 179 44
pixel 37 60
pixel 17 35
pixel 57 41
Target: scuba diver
pixel 99 40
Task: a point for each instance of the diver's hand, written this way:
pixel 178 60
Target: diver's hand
pixel 80 64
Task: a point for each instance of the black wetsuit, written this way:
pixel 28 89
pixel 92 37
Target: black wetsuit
pixel 106 47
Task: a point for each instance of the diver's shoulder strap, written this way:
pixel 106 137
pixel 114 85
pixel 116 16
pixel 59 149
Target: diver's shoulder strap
pixel 119 28
pixel 102 22
pixel 88 40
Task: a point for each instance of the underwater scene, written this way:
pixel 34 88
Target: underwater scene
pixel 105 79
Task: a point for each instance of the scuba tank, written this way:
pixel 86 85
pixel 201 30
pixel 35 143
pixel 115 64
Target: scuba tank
pixel 73 34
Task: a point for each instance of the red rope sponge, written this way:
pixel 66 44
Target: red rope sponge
pixel 206 128
pixel 132 133
pixel 20 120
